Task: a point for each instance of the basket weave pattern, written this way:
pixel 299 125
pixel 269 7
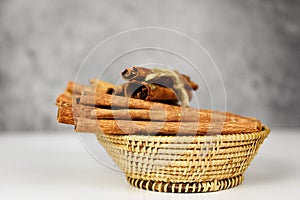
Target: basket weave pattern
pixel 184 163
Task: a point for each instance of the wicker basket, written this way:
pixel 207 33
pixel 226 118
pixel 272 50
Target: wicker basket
pixel 184 163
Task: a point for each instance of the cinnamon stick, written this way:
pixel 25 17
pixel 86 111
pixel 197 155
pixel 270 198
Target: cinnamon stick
pixel 163 115
pixel 106 100
pixel 135 114
pixel 68 112
pixel 97 85
pixel 149 92
pixel 124 127
pixel 76 88
pixel 101 86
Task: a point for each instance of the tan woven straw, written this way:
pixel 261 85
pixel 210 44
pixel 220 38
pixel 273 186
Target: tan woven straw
pixel 184 163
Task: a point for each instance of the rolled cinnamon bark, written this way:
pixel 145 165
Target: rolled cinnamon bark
pixel 162 115
pixel 148 92
pixel 135 114
pixel 124 127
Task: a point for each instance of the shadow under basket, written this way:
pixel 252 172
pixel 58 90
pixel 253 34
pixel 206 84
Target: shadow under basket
pixel 183 164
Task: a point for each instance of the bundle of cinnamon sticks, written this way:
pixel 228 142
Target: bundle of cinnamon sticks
pixel 107 108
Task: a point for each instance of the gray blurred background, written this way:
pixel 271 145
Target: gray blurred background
pixel 256 45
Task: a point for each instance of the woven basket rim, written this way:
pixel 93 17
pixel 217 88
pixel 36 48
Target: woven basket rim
pixel 242 136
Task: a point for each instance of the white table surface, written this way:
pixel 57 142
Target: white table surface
pixel 54 165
